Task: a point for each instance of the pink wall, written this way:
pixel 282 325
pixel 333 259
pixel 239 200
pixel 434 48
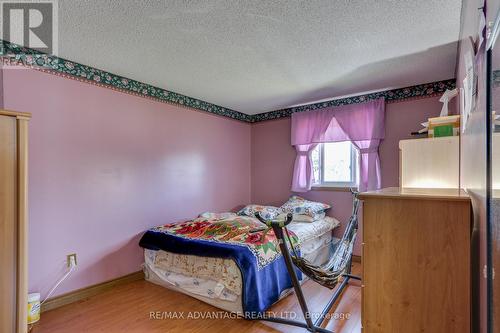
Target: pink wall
pixel 273 156
pixel 105 166
pixel 1 86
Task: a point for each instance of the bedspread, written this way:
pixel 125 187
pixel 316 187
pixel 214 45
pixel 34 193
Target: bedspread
pixel 242 239
pixel 239 230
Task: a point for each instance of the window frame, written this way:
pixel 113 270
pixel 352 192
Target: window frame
pixel 338 185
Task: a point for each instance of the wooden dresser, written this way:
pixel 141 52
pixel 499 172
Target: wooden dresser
pixel 13 222
pixel 416 261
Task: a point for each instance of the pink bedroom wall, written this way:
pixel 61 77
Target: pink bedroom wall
pixel 1 86
pixel 104 166
pixel 273 157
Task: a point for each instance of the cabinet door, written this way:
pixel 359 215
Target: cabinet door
pixel 8 229
pixel 416 261
pixel 430 163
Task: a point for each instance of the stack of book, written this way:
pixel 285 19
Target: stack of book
pixel 444 126
pixel 440 126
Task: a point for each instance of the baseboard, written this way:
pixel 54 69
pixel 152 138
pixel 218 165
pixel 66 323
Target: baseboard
pixel 356 258
pixel 83 293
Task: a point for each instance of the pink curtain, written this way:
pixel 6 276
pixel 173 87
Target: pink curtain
pixel 302 174
pixel 362 124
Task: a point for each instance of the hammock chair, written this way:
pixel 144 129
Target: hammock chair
pixel 328 275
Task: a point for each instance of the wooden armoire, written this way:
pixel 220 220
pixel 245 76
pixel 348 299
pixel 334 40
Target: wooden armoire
pixel 13 221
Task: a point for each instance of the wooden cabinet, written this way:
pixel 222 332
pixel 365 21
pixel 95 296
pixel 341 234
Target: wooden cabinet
pixel 416 261
pixel 13 222
pixel 430 163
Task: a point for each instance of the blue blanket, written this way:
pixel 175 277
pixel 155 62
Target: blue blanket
pixel 261 286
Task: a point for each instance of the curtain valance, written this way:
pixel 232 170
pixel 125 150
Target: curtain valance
pixel 362 124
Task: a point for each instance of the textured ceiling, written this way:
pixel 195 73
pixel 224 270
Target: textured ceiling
pixel 257 56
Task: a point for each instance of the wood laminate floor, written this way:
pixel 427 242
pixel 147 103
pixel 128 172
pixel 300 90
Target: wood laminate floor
pixel 129 308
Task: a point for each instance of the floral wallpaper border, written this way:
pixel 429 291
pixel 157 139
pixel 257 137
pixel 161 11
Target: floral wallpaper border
pixel 418 91
pixel 15 55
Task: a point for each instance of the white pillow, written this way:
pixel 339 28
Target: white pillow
pixel 217 216
pixel 266 212
pixel 303 217
pixel 300 206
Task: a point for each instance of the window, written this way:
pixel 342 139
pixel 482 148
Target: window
pixel 335 164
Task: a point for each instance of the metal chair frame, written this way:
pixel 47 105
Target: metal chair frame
pixel 309 325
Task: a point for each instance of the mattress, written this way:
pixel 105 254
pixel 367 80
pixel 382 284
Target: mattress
pixel 218 281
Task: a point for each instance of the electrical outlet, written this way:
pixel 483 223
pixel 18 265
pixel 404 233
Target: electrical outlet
pixel 71 258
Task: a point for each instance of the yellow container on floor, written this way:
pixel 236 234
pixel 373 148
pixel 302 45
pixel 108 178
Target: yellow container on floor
pixel 33 308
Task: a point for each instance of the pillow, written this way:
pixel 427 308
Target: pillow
pixel 300 206
pixel 266 212
pixel 303 218
pixel 217 216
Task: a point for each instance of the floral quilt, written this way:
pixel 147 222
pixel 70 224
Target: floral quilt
pixel 238 230
pixel 252 246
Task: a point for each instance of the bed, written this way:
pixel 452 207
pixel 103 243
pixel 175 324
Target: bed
pixel 224 271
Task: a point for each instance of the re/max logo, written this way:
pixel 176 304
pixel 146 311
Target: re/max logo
pixel 30 24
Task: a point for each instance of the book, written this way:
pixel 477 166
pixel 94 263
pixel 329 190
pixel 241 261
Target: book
pixel 443 130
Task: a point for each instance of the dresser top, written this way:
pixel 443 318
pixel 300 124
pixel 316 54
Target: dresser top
pixel 15 114
pixel 417 193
